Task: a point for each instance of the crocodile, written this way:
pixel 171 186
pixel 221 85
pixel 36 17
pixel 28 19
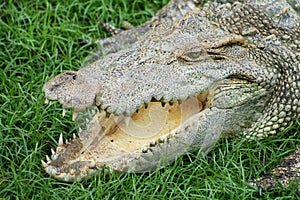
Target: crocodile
pixel 179 82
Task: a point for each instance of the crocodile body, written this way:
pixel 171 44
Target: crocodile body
pixel 191 75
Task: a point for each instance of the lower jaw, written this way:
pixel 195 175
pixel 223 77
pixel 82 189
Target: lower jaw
pixel 185 138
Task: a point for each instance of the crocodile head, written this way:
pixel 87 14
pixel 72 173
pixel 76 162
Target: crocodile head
pixel 179 88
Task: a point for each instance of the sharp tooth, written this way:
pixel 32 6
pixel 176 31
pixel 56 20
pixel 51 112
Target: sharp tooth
pixel 64 112
pixel 53 152
pixel 127 120
pixel 44 164
pixel 161 140
pixel 46 101
pixel 145 150
pixel 74 136
pixel 54 155
pixel 74 116
pixel 79 132
pixel 153 143
pixel 61 140
pixel 48 159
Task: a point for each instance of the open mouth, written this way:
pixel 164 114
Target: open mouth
pixel 152 123
pixel 112 142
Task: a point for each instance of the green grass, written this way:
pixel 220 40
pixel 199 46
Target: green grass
pixel 39 40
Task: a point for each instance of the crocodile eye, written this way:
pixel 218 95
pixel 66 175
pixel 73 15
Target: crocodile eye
pixel 192 56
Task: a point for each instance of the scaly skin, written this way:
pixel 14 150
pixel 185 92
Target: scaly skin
pixel 185 81
pixel 121 39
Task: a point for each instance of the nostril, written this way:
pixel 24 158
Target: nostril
pixel 72 74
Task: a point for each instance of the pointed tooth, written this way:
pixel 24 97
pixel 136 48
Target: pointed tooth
pixel 74 136
pixel 145 150
pixel 46 101
pixel 161 140
pixel 74 116
pixel 44 164
pixel 153 143
pixel 64 112
pixel 79 132
pixel 48 159
pixel 61 140
pixel 53 152
pixel 127 120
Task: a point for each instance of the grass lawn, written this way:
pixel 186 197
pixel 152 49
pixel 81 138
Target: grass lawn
pixel 38 40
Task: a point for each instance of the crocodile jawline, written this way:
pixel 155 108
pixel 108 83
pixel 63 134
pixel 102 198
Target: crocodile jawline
pixel 111 138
